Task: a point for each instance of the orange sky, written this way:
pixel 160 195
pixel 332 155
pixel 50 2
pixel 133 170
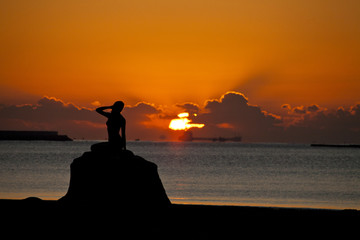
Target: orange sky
pixel 168 52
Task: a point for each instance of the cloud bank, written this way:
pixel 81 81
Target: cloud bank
pixel 230 115
pixel 233 115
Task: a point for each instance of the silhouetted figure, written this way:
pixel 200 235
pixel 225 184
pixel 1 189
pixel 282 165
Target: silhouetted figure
pixel 112 177
pixel 115 123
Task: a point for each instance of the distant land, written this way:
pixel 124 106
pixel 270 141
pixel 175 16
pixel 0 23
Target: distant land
pixel 33 135
pixel 336 145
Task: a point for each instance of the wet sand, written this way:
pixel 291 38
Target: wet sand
pixel 34 217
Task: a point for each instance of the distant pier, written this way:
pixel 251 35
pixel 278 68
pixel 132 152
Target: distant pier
pixel 33 135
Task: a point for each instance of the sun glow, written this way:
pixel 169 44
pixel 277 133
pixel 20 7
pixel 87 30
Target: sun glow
pixel 183 123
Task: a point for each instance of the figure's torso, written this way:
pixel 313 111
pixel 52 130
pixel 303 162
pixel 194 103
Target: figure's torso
pixel 114 123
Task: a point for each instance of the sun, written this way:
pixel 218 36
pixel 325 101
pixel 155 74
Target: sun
pixel 178 124
pixel 183 123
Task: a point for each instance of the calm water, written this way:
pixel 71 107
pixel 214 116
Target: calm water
pixel 282 175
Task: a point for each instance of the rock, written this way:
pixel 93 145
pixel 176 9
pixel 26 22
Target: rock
pixel 118 178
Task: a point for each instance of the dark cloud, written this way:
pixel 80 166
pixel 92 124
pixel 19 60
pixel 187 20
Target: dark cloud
pixel 47 110
pixel 326 126
pixel 302 109
pixel 299 110
pixel 313 108
pixel 189 107
pixel 232 113
pixel 53 114
pixel 140 112
pixel 229 116
pixel 142 122
pixel 286 107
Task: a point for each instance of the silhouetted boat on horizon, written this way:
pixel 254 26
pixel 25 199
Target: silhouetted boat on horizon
pixel 188 137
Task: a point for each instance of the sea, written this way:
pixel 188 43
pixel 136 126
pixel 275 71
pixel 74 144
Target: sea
pixel 209 173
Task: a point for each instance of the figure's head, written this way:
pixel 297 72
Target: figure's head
pixel 118 106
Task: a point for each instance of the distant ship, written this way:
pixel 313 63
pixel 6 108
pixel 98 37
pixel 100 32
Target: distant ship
pixel 33 135
pixel 188 137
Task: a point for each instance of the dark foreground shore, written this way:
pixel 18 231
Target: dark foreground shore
pixel 35 217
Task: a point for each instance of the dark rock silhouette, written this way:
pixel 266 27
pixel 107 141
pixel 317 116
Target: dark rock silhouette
pixel 115 177
pixel 112 177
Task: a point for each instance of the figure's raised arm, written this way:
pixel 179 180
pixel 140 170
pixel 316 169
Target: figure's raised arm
pixel 101 111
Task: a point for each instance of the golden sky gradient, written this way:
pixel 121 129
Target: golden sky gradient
pixel 168 52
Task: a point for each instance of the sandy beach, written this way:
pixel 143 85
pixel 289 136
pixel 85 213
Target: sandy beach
pixel 179 221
